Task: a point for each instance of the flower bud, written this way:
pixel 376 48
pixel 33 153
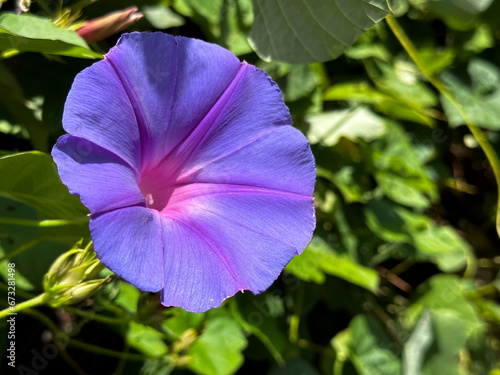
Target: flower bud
pixel 70 278
pixel 103 27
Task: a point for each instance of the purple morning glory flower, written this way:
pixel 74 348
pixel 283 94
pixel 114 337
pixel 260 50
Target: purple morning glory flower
pixel 196 181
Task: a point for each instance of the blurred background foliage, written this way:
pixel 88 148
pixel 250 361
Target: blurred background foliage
pixel 402 275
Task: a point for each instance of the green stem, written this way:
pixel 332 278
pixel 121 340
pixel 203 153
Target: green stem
pixel 107 352
pixel 338 367
pixel 19 292
pixel 21 249
pixel 295 321
pixel 82 345
pixel 475 130
pixel 23 305
pixel 41 223
pixel 123 360
pixel 100 318
pixel 257 333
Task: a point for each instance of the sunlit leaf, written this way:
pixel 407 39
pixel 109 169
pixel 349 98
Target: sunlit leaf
pixel 327 128
pixel 146 340
pixel 30 33
pixel 319 259
pixel 218 350
pixel 480 101
pixel 162 17
pixel 417 345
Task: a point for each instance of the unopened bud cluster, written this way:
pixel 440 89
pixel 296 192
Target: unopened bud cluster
pixel 71 278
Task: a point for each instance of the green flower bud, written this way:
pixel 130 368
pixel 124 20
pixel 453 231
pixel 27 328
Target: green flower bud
pixel 71 277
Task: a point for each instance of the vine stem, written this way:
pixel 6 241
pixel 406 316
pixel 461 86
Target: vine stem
pixel 42 223
pixel 23 305
pixel 475 130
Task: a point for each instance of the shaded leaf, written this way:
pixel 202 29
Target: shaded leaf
pixel 39 246
pixel 32 178
pixel 458 14
pixel 445 293
pixel 401 190
pixel 296 366
pixel 440 245
pixel 372 352
pixel 298 31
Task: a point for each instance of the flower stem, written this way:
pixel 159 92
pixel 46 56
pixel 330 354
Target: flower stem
pixel 475 130
pixel 23 305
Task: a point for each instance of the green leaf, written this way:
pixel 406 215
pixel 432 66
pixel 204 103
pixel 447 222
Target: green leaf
pixel 398 7
pixel 225 22
pixel 371 350
pixel 40 246
pixel 440 245
pixel 443 355
pixel 395 155
pixel 298 31
pixel 401 190
pixel 458 14
pixel 299 82
pixel 444 246
pixel 32 178
pixel 400 80
pixel 436 60
pixel 327 128
pixel 183 320
pixel 162 17
pixel 445 294
pixel 296 366
pixel 480 100
pixel 146 340
pixel 417 345
pixel 128 297
pixel 367 50
pixel 349 180
pixel 394 106
pixel 218 349
pixel 14 101
pixel 382 218
pixel 318 258
pixel 29 33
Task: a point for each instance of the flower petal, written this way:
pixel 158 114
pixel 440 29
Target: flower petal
pixel 273 213
pixel 280 159
pixel 196 277
pixel 231 239
pixel 102 180
pixel 172 83
pixel 245 140
pixel 129 242
pixel 99 110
